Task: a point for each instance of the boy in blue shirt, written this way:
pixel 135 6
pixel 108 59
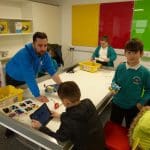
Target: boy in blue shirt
pixel 134 82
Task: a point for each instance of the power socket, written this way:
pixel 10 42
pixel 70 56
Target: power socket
pixel 71 48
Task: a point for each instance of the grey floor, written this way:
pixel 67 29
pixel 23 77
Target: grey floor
pixel 14 144
pixel 11 143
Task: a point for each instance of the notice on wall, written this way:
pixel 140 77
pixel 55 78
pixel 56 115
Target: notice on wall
pixel 18 27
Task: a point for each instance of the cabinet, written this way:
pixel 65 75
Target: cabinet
pixel 15 27
pixel 33 14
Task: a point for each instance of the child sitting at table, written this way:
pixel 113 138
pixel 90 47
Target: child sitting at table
pixel 80 123
pixel 104 53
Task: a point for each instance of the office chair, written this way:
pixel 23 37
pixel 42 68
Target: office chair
pixel 56 53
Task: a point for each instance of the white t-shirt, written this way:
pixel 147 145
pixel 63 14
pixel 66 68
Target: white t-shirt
pixel 103 52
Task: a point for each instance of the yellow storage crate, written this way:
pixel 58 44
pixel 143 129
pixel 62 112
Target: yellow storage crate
pixel 9 94
pixel 89 66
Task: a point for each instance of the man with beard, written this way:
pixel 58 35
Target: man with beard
pixel 28 61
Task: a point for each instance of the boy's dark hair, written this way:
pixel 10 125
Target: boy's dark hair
pixel 105 38
pixel 40 35
pixel 134 45
pixel 70 91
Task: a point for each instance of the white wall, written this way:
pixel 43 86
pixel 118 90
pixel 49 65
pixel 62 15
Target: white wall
pixel 74 57
pixel 56 21
pixel 47 18
pixel 67 33
pixel 10 10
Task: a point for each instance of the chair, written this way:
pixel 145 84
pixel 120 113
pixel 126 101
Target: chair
pixel 56 53
pixel 116 137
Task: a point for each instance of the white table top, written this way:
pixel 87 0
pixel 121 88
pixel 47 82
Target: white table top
pixel 92 85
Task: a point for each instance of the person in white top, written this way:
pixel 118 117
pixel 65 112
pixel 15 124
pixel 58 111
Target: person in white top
pixel 104 53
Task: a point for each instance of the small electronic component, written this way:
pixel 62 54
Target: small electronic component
pixel 28 102
pixel 28 109
pixel 19 111
pixel 34 106
pixel 114 88
pixel 22 104
pixel 6 110
pixel 51 88
pixel 13 107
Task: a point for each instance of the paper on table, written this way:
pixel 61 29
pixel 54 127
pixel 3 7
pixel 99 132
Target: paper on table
pixel 99 58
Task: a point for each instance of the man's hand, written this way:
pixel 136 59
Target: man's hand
pixel 42 99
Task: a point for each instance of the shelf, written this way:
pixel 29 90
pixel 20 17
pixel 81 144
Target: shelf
pixel 14 34
pixel 15 27
pixel 16 19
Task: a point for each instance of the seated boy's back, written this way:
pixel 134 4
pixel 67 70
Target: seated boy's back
pixel 83 126
pixel 80 123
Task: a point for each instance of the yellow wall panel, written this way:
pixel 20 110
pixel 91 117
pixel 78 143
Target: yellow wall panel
pixel 85 22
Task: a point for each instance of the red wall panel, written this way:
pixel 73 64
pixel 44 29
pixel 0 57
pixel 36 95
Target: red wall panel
pixel 115 21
